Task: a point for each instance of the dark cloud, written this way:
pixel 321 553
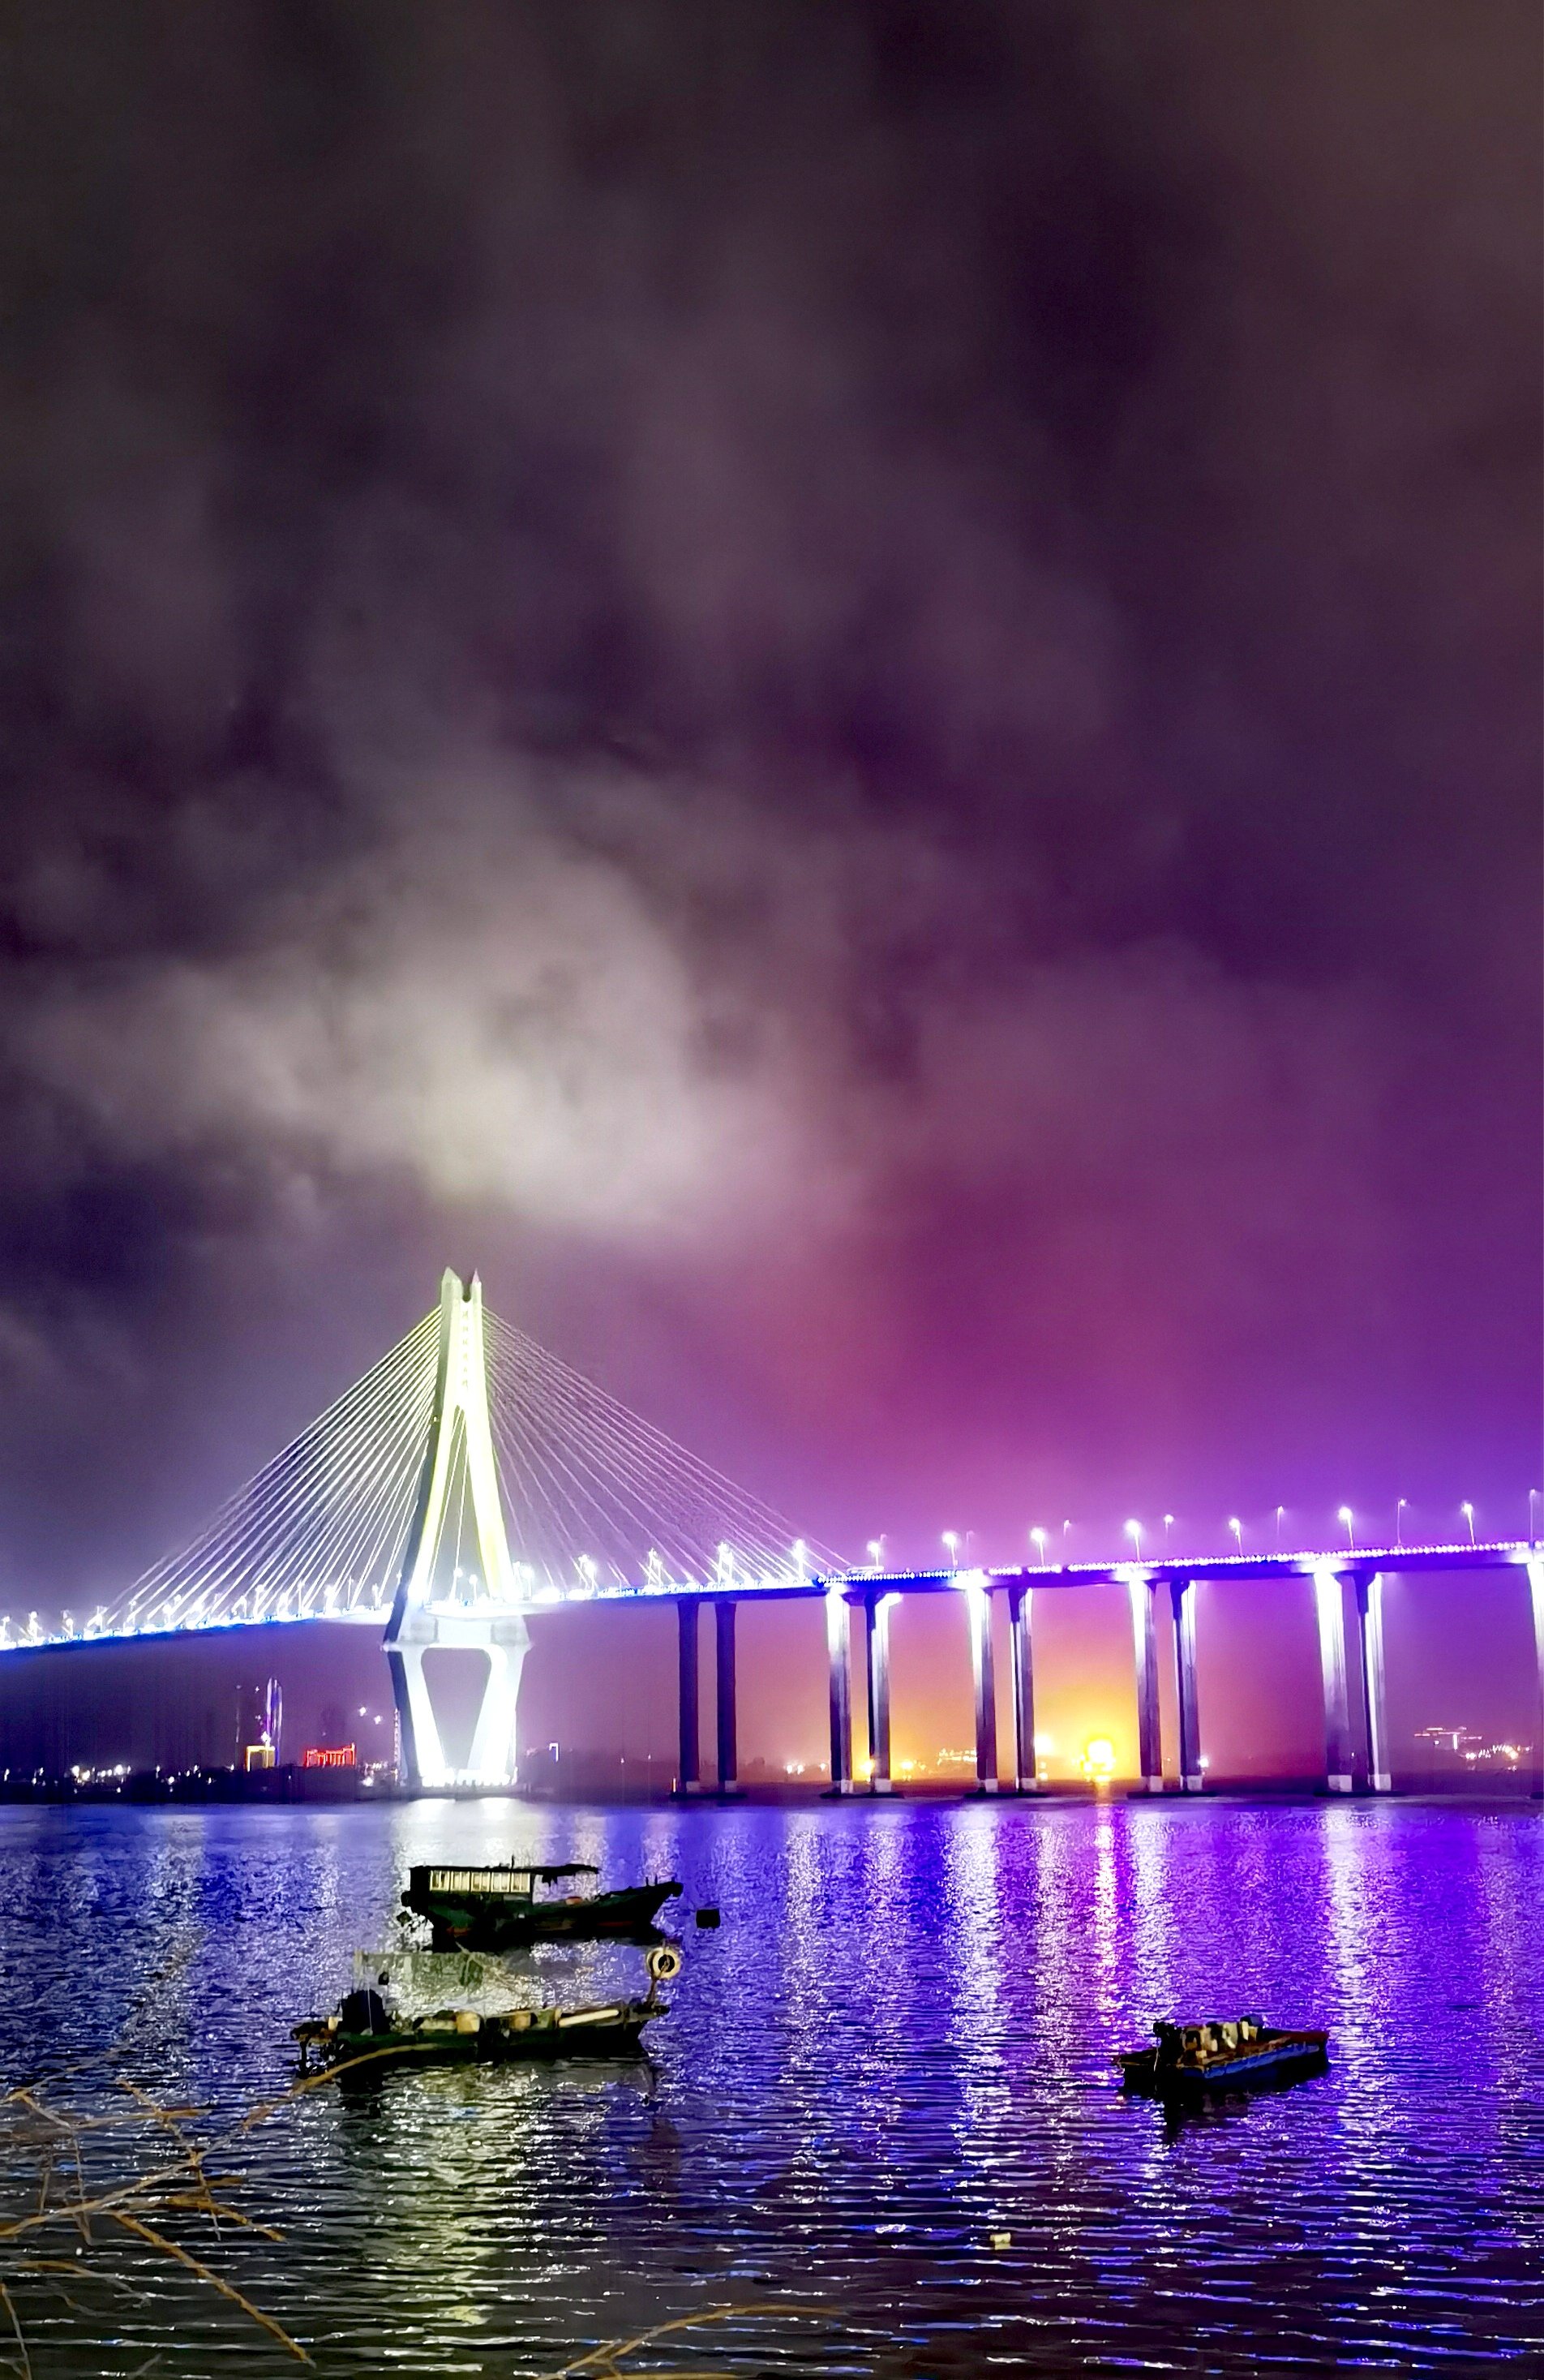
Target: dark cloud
pixel 859 683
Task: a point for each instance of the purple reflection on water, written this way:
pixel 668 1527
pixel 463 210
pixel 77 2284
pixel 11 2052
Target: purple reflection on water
pixel 896 2050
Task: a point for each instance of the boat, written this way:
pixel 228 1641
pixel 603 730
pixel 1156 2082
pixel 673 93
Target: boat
pixel 1246 2054
pixel 368 2029
pixel 497 1907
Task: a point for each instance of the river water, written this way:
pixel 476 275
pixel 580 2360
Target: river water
pixel 879 2129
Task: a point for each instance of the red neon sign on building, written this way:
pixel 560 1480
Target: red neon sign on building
pixel 328 1755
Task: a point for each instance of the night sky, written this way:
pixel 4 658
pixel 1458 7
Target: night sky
pixel 852 690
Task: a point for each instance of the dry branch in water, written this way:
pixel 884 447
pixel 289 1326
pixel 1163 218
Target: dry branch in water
pixel 47 2155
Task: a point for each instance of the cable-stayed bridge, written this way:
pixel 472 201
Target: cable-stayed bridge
pixel 469 1477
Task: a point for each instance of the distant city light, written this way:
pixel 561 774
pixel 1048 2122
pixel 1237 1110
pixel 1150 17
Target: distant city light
pixel 1098 1762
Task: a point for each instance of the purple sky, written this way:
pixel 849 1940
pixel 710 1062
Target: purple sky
pixel 852 690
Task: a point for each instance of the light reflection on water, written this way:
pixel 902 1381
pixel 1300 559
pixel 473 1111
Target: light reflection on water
pixel 896 2046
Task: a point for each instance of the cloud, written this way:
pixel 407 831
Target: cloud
pixel 825 651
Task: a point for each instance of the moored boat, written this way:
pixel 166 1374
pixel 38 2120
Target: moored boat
pixel 498 1907
pixel 366 2026
pixel 1244 2055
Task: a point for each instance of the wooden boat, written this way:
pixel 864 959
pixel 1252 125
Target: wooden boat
pixel 1243 2056
pixel 367 2028
pixel 497 1907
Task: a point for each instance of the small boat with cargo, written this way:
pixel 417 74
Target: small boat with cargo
pixel 1246 2054
pixel 370 2027
pixel 500 1908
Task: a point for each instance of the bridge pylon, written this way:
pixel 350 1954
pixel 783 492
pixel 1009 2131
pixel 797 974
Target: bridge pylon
pixel 424 1615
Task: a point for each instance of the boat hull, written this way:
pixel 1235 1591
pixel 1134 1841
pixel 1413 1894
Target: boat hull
pixel 490 1921
pixel 1263 2069
pixel 578 2033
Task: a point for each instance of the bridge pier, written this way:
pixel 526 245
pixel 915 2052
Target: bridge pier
pixel 1144 1637
pixel 1026 1776
pixel 978 1600
pixel 1329 1605
pixel 1375 1722
pixel 1535 1589
pixel 877 1650
pixel 1182 1599
pixel 837 1635
pixel 689 1765
pixel 724 1695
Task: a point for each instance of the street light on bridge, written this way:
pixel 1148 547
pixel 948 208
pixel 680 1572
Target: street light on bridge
pixel 1037 1539
pixel 1533 1511
pixel 951 1539
pixel 1237 1528
pixel 1168 1523
pixel 1399 1512
pixel 1134 1531
pixel 1348 1519
pixel 1468 1512
pixel 876 1553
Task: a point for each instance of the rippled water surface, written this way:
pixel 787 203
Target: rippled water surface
pixel 894 2052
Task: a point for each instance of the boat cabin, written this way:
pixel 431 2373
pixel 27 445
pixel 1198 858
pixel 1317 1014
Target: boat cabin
pixel 484 1883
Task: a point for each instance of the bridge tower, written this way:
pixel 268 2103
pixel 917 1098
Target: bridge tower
pixel 459 1449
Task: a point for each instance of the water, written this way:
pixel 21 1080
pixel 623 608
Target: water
pixel 895 2051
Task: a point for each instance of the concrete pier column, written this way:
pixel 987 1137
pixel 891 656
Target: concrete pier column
pixel 1145 1638
pixel 1375 1718
pixel 876 1649
pixel 1330 1604
pixel 724 1695
pixel 838 1632
pixel 1182 1598
pixel 1026 1776
pixel 978 1599
pixel 1536 1588
pixel 689 1771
